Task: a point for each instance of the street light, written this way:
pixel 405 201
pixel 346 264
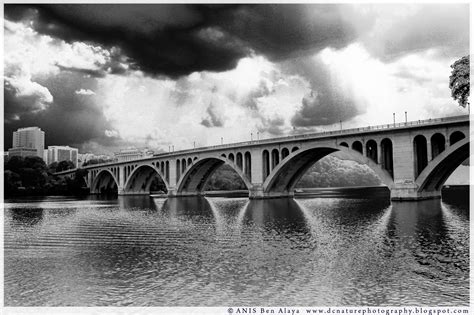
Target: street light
pixel 194 144
pixel 394 119
pixel 258 135
pixel 222 140
pixel 340 122
pixel 251 136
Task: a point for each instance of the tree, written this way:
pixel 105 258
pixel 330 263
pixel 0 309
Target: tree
pixel 52 167
pixel 64 166
pixel 459 81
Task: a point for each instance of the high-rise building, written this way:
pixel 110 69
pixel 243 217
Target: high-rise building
pixel 56 153
pixel 27 139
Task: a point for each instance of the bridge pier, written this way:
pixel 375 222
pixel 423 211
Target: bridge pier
pixel 256 192
pixel 132 193
pixel 410 192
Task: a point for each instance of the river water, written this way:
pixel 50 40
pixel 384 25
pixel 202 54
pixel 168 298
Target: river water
pixel 214 251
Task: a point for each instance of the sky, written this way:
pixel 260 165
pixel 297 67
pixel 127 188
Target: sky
pixel 102 77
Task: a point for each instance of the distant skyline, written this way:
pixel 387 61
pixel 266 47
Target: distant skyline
pixel 104 77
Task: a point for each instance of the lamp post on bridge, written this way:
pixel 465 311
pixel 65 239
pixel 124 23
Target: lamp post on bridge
pixel 222 140
pixel 340 123
pixel 394 119
pixel 194 144
pixel 406 117
pixel 258 135
pixel 251 136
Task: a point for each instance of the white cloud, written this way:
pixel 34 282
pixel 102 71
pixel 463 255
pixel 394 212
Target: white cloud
pixel 84 92
pixel 416 83
pixel 162 112
pixel 111 133
pixel 35 54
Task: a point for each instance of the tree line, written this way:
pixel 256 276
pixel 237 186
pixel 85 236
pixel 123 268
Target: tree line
pixel 30 176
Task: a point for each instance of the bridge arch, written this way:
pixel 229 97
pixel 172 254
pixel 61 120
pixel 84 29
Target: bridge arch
pixel 420 154
pixel 141 178
pixel 440 168
pixel 285 176
pixel 357 146
pixel 248 165
pixel 371 149
pixel 387 155
pixel 265 163
pixel 103 181
pixel 455 137
pixel 275 158
pixel 239 160
pixel 438 143
pixel 194 179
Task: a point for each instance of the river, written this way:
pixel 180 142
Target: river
pixel 331 250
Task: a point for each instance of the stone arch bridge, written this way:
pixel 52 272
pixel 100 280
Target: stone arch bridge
pixel 412 159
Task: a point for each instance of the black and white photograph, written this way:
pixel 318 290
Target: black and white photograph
pixel 236 158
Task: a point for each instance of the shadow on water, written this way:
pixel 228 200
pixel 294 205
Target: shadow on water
pixel 277 214
pixel 419 221
pixel 457 197
pixel 130 203
pixel 422 228
pixel 188 207
pixel 27 216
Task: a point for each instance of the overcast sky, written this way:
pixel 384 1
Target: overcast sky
pixel 104 77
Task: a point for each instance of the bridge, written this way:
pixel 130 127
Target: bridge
pixel 413 159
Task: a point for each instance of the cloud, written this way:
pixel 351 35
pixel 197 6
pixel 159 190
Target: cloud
pixel 84 92
pixel 280 31
pixel 176 40
pixel 70 119
pixel 321 108
pixel 160 75
pixel 24 96
pixel 213 118
pixel 179 39
pixel 331 97
pixel 111 133
pixel 399 30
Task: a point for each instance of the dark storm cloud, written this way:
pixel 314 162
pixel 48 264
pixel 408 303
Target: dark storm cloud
pixel 324 108
pixel 71 119
pixel 328 102
pixel 17 104
pixel 176 40
pixel 280 31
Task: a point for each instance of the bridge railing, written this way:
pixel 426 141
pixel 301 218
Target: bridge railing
pixel 320 134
